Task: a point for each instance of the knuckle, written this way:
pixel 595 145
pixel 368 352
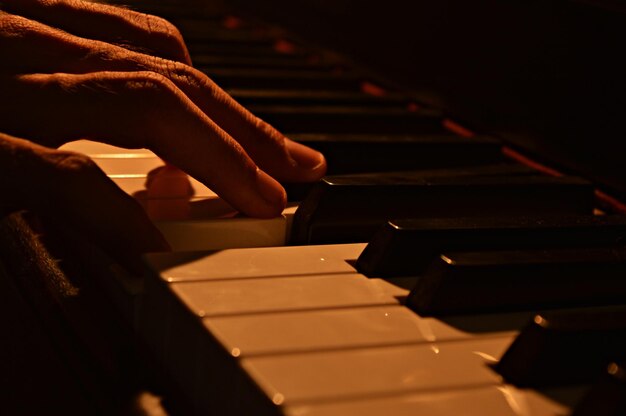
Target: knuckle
pixel 12 25
pixel 167 35
pixel 47 3
pixel 150 83
pixel 50 85
pixel 183 74
pixel 166 30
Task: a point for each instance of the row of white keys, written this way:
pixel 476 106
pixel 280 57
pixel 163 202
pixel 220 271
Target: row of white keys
pixel 204 216
pixel 503 400
pixel 295 330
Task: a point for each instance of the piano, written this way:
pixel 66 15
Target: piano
pixel 487 300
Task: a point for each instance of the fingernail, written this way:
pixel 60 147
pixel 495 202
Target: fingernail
pixel 271 191
pixel 304 156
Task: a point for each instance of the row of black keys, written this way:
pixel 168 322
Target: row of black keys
pixel 492 259
pixel 489 235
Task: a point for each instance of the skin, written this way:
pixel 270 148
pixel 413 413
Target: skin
pixel 65 75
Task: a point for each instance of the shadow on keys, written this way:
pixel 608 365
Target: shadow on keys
pixel 169 195
pixel 179 205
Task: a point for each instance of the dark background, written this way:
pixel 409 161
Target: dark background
pixel 546 75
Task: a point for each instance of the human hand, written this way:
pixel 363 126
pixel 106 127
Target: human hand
pixel 72 190
pixel 64 79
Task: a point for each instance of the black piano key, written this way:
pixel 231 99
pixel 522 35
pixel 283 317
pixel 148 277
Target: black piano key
pixel 254 97
pixel 207 31
pixel 241 49
pixel 351 208
pixel 607 397
pixel 367 153
pixel 361 153
pixel 406 247
pixel 281 79
pixel 350 119
pixel 506 168
pixel 274 63
pixel 299 191
pixel 562 348
pixel 499 280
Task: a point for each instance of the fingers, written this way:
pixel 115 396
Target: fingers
pixel 133 30
pixel 69 187
pixel 140 109
pixel 280 157
pixel 131 99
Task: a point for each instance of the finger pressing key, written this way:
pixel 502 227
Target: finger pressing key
pixel 278 156
pixel 149 111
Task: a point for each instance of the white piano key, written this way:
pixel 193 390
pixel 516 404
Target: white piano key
pixel 205 221
pixel 135 184
pixel 482 401
pixel 200 221
pixel 191 355
pixel 133 164
pixel 215 234
pixel 279 294
pixel 256 262
pixel 128 168
pixel 310 341
pixel 275 333
pixel 97 149
pixel 310 377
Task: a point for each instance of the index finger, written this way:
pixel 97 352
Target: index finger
pixel 140 109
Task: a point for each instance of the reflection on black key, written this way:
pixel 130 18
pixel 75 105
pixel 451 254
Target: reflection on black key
pixel 351 208
pixel 607 397
pixel 565 348
pixel 406 247
pixel 299 191
pixel 350 119
pixel 494 281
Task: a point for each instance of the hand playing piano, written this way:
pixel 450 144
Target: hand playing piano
pixel 75 69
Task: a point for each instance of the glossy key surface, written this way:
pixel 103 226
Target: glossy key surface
pixel 352 208
pixel 406 247
pixel 361 153
pixel 295 342
pixel 469 282
pixel 566 347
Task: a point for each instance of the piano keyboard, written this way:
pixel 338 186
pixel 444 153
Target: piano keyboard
pixel 204 215
pixel 297 331
pixel 254 328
